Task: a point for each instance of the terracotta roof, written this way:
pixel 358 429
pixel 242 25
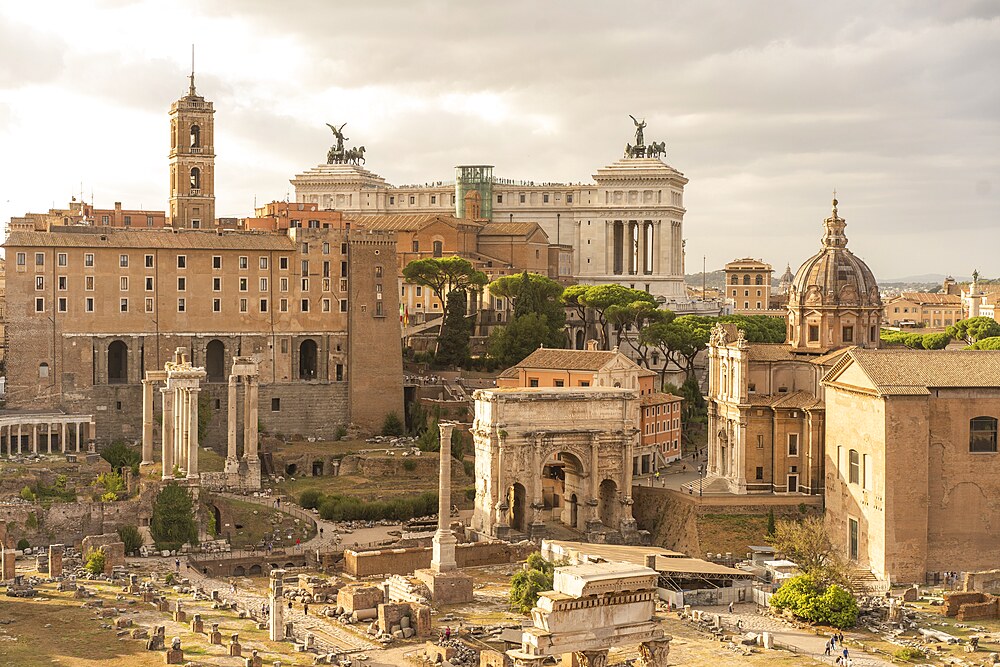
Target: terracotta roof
pixel 404 222
pixel 120 238
pixel 801 400
pixel 509 229
pixel 914 372
pixel 577 360
pixel 830 358
pixel 658 398
pixel 771 352
pixel 929 298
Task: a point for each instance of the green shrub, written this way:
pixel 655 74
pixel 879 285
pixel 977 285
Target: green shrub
pixel 111 486
pixel 806 599
pixel 32 521
pixel 392 425
pixel 120 455
pixel 173 523
pixel 310 498
pixel 23 544
pixel 409 465
pixel 470 493
pixel 95 562
pixel 132 538
pixel 909 653
pixel 349 508
pixel 526 584
pixel 169 579
pixel 27 494
pixel 340 433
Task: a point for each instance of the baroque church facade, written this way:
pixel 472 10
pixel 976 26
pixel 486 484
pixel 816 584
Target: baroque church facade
pixel 766 410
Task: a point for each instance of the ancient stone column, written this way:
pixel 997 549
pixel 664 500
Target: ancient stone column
pixel 192 467
pixel 443 545
pixel 62 437
pixel 231 421
pixel 181 408
pixel 167 433
pixel 19 440
pixel 55 560
pixel 79 425
pixel 277 619
pixel 250 417
pixel 654 653
pixel 147 422
pixel 34 438
pixel 8 568
pixel 597 658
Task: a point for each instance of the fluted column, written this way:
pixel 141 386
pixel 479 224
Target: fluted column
pixel 167 433
pixel 78 425
pixel 147 422
pixel 62 437
pixel 19 440
pixel 250 444
pixel 192 457
pixel 231 420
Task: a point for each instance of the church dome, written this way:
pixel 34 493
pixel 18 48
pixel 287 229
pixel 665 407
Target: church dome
pixel 833 299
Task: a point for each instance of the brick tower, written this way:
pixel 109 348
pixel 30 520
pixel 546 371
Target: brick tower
pixel 192 161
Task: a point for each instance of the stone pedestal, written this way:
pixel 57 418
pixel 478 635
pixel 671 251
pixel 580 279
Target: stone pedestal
pixel 447 587
pixel 215 637
pixel 197 625
pixel 7 564
pixel 56 560
pixel 254 660
pixel 174 656
pixel 235 650
pixel 277 604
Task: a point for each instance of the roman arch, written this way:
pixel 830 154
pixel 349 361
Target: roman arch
pixel 533 472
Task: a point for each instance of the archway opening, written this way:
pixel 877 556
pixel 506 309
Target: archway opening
pixel 307 359
pixel 239 571
pixel 117 362
pixel 580 343
pixel 218 519
pixel 573 511
pixel 607 508
pixel 291 469
pixel 317 469
pixel 215 361
pixel 255 570
pixel 517 502
pixel 562 480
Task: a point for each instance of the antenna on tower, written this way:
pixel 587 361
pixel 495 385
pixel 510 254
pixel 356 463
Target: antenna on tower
pixel 191 90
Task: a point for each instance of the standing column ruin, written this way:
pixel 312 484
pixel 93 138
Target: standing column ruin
pixel 56 560
pixel 277 618
pixel 232 463
pixel 167 435
pixel 443 558
pixel 192 428
pixel 147 422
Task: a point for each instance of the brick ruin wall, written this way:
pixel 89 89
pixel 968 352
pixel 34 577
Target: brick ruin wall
pixel 404 561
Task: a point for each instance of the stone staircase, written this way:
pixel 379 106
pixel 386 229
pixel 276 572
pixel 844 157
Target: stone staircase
pixel 710 484
pixel 864 582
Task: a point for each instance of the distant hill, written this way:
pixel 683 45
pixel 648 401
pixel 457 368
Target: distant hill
pixel 713 279
pixel 936 278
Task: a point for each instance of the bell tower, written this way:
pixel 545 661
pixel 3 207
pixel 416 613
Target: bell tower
pixel 192 161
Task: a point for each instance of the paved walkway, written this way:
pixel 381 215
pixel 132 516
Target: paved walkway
pixel 802 641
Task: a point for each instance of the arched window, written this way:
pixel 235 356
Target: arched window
pixel 746 280
pixel 983 434
pixel 854 467
pixel 215 361
pixel 307 360
pixel 736 280
pixel 43 370
pixel 195 178
pixel 438 248
pixel 759 280
pixel 117 363
pixel 195 136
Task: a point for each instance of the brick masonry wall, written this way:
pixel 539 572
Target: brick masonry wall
pixel 405 561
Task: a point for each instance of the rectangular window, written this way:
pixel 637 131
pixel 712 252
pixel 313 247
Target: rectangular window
pixel 434 199
pixel 326 284
pixel 378 309
pixel 326 305
pixel 343 305
pixel 545 199
pixel 149 221
pixel 853 537
pixel 61 304
pixel 263 305
pixel 182 261
pixel 62 259
pixel 305 267
pixel 412 200
pixel 149 304
pixel 760 472
pixel 343 284
pixel 216 305
pixel 793 444
pixel 181 284
pixel 760 442
pixel 283 305
pixel 149 261
pixel 181 305
pixel 305 284
pixel 848 334
pixel 88 259
pixel 244 284
pixel 499 199
pixel 284 346
pixel 216 284
pixel 123 305
pixel 39 259
pixel 418 290
pixel 416 245
pixel 854 467
pixel 123 261
pixel 305 248
pixel 128 220
pixel 569 198
pixel 105 220
pixel 283 263
pixel 326 269
pixel 40 304
pixel 283 284
pixel 88 283
pixel 39 283
pixel 275 405
pixel 559 383
pixel 340 372
pixel 343 248
pixel 522 199
pixel 304 305
pixel 983 435
pixel 123 283
pixel 216 261
pixel 343 269
pixel 243 305
pixel 533 382
pixel 244 262
pixel 326 248
pixel 63 281
pixel 584 383
pixel 88 304
pixel 813 333
pixel 263 262
pixel 22 259
pixel 263 284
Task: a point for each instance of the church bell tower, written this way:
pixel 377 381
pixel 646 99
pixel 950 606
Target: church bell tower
pixel 192 162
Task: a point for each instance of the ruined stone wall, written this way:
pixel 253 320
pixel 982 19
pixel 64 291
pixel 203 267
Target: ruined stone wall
pixel 987 581
pixel 405 561
pixel 68 523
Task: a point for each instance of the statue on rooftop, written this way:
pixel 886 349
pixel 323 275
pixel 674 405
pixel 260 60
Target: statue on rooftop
pixel 639 126
pixel 336 153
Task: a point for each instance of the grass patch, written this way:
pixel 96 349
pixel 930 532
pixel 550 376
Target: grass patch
pixel 247 524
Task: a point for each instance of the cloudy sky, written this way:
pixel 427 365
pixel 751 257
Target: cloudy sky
pixel 765 106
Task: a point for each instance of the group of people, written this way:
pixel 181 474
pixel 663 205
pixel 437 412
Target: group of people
pixel 843 658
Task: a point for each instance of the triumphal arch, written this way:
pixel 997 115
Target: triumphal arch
pixel 556 457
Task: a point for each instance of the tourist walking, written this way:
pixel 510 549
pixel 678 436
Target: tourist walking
pixel 305 608
pixel 177 564
pixel 447 632
pixel 731 607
